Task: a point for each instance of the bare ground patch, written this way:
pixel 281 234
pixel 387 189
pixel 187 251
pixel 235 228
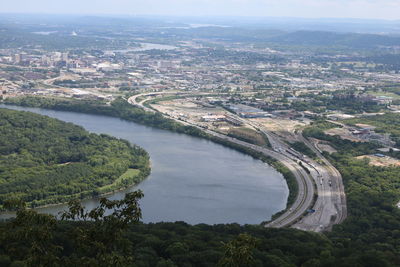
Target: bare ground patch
pixel 381 161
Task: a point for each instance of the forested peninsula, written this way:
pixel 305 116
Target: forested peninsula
pixel 47 161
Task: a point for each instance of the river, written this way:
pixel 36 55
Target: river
pixel 192 180
pixel 145 47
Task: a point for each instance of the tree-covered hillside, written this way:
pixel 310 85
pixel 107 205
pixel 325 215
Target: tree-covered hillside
pixel 46 161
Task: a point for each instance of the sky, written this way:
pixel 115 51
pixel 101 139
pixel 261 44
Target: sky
pixel 367 9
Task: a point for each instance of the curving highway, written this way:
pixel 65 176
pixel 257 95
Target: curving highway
pixel 331 200
pixel 321 200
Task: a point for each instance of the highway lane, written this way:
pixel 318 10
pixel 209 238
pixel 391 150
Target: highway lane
pixel 336 189
pixel 324 180
pixel 330 206
pixel 306 188
pixel 133 101
pixel 305 194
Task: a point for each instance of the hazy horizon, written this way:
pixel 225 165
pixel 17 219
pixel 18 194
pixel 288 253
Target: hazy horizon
pixel 307 9
pixel 166 16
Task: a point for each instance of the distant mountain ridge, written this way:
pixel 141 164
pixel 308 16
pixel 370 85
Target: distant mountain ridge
pixel 18 29
pixel 300 38
pixel 321 38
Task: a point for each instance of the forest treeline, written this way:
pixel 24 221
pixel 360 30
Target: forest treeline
pixel 47 161
pixel 118 108
pixel 119 239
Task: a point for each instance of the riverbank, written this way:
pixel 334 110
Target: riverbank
pixel 101 195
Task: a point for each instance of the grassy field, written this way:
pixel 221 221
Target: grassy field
pixel 387 94
pixel 248 135
pixel 129 175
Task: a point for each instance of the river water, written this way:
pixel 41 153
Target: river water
pixel 145 47
pixel 192 179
